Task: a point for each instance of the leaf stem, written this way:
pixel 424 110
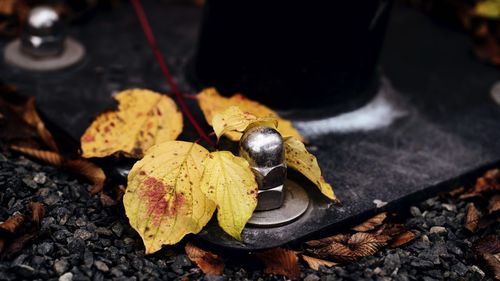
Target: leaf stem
pixel 148 32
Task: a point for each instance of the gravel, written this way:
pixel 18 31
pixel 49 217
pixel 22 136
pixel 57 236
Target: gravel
pixel 82 240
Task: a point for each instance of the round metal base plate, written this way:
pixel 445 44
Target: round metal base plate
pixel 295 204
pixel 73 53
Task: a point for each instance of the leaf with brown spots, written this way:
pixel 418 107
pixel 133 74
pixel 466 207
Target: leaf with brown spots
pixel 371 223
pixel 229 181
pixel 79 166
pixel 12 224
pixel 471 218
pixel 208 263
pixel 298 158
pixel 315 263
pixel 280 261
pixel 211 103
pixel 163 200
pixel 401 239
pixel 234 120
pixel 143 119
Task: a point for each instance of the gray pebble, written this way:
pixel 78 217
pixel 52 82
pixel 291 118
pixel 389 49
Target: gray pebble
pixel 61 266
pixel 437 230
pixel 82 234
pixel 101 266
pixel 68 276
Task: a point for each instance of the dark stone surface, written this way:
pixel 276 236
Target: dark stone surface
pixel 452 130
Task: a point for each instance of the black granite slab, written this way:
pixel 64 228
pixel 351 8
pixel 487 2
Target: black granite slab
pixel 451 131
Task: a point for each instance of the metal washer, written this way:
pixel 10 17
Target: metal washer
pixel 73 53
pixel 295 205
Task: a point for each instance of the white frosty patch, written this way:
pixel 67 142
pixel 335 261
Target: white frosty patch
pixel 382 111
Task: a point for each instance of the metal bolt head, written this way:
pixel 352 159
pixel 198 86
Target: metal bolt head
pixel 263 148
pixel 43 34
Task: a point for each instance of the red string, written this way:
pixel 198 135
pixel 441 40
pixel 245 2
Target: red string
pixel 148 32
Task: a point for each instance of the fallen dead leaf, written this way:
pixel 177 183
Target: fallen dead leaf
pixel 30 115
pixel 37 212
pixel 494 204
pixel 81 167
pixel 12 224
pixel 298 158
pixel 493 264
pixel 143 119
pixel 401 239
pixel 343 248
pixel 15 246
pixel 315 263
pixel 471 218
pixel 280 261
pixel 339 238
pixel 457 192
pixel 234 120
pixel 163 200
pixel 229 182
pixel 489 244
pixel 212 103
pixel 489 182
pixel 208 262
pixel 366 244
pixel 371 223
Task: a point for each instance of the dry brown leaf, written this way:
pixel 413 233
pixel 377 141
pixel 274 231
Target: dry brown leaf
pixel 339 238
pixel 335 251
pixel 489 182
pixel 315 263
pixel 82 167
pixel 12 224
pixel 456 192
pixel 392 230
pixel 90 171
pixel 280 261
pixel 472 218
pixel 489 244
pixel 494 204
pixel 358 245
pixel 371 223
pixel 493 264
pixel 37 212
pixel 30 115
pixel 14 247
pixel 7 7
pixel 401 239
pixel 366 244
pixel 208 262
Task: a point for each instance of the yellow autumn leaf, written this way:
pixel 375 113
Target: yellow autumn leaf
pixel 230 183
pixel 233 119
pixel 212 103
pixel 163 200
pixel 143 119
pixel 298 158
